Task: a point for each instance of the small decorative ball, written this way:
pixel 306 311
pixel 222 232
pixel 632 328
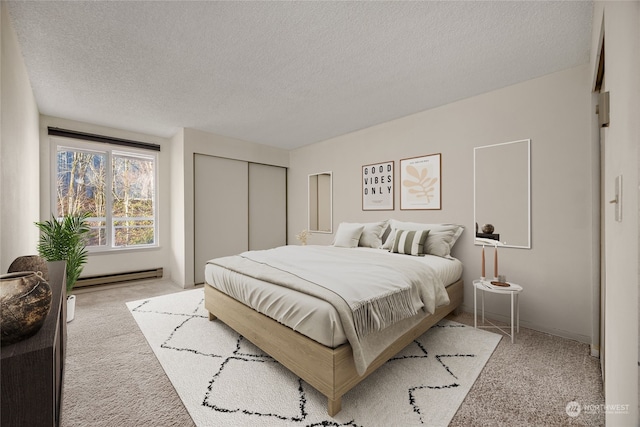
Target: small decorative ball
pixel 487 229
pixel 25 301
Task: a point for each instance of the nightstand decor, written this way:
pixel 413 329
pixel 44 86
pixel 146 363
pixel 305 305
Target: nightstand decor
pixel 488 229
pixel 501 284
pixel 495 244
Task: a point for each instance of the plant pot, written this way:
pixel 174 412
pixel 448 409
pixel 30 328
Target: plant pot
pixel 71 307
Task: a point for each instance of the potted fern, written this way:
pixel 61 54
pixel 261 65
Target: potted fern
pixel 65 240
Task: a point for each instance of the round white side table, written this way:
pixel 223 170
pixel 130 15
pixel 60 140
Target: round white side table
pixel 513 290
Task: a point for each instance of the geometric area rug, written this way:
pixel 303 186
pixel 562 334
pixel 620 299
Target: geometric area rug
pixel 224 380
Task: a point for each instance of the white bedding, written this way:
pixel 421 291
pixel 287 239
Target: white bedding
pixel 304 313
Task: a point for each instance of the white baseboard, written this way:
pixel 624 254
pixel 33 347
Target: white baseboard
pixel 523 323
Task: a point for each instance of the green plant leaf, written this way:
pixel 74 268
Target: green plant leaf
pixel 65 240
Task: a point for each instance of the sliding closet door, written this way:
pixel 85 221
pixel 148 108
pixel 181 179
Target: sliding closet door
pixel 221 209
pixel 267 206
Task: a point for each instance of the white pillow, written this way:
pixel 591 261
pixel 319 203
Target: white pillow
pixel 348 235
pixel 441 237
pixel 372 234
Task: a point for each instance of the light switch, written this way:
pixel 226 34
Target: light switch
pixel 618 198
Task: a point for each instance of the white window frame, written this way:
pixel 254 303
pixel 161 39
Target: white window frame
pixel 109 150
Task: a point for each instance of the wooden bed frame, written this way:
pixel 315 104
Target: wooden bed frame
pixel 331 371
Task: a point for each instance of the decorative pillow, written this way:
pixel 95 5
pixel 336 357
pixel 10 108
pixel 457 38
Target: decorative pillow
pixel 441 237
pixel 372 234
pixel 386 233
pixel 394 225
pixel 348 235
pixel 410 242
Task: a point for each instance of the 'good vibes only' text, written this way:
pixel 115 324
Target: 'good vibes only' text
pixel 378 180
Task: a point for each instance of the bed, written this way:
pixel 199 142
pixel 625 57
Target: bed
pixel 288 302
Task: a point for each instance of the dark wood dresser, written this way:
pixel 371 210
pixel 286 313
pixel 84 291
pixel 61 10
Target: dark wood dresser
pixel 32 370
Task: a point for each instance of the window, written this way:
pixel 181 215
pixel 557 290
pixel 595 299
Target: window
pixel 117 187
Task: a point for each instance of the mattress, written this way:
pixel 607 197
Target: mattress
pixel 306 314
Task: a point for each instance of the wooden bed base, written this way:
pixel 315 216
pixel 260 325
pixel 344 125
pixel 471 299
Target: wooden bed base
pixel 331 371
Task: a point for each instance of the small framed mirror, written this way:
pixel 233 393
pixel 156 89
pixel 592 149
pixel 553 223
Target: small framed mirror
pixel 320 203
pixel 502 193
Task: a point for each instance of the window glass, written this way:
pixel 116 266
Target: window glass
pixel 117 189
pixel 133 207
pixel 81 188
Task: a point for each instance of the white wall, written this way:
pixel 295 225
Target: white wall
pixel 19 159
pixel 554 111
pixel 622 81
pixel 187 143
pixel 129 259
pixel 177 212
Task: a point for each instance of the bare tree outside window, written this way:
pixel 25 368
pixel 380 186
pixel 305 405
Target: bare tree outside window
pixel 122 209
pixel 133 201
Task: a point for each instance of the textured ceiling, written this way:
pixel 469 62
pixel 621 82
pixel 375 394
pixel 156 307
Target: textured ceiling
pixel 284 73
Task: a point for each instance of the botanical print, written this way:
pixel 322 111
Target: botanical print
pixel 420 182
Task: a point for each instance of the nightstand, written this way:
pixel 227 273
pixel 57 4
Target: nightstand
pixel 513 291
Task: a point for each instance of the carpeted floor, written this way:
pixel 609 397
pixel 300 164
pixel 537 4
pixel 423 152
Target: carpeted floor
pixel 112 377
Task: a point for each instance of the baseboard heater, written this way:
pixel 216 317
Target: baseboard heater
pixel 107 279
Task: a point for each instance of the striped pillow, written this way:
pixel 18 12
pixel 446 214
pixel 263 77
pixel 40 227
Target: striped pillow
pixel 410 242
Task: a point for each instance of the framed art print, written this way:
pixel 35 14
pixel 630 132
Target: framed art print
pixel 377 187
pixel 420 182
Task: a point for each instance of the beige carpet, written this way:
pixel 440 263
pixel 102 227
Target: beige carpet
pixel 113 378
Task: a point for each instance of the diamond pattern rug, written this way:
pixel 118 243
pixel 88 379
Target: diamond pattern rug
pixel 224 380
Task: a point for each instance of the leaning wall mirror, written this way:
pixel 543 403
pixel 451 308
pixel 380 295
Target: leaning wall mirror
pixel 320 203
pixel 502 192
